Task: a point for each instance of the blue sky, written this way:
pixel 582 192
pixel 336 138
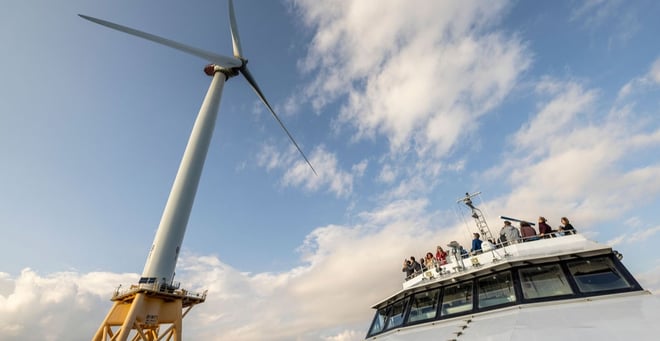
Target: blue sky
pixel 546 108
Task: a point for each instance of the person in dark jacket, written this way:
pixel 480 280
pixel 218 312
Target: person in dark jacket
pixel 408 268
pixel 527 232
pixel 411 267
pixel 544 229
pixel 566 227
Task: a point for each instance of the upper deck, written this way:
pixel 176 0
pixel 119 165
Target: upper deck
pixel 567 268
pixel 541 250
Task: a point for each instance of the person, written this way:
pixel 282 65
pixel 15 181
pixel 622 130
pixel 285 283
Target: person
pixel 429 261
pixel 416 266
pixel 527 231
pixel 545 230
pixel 463 251
pixel 566 227
pixel 476 244
pixel 422 263
pixel 408 268
pixel 510 233
pixel 487 245
pixel 457 254
pixel 441 256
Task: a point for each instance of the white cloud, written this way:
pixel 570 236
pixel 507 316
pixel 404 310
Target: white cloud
pixel 346 335
pixel 651 78
pixel 622 21
pixel 387 174
pixel 345 270
pixel 650 279
pixel 635 236
pixel 573 157
pixel 420 80
pixel 594 12
pixel 330 175
pixel 60 306
pixel 557 117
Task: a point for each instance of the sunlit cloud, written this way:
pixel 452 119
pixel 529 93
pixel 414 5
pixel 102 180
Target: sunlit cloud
pixel 641 83
pixel 418 81
pixel 330 176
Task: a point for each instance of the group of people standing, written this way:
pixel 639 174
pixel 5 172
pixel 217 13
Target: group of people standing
pixel 510 234
pixel 411 266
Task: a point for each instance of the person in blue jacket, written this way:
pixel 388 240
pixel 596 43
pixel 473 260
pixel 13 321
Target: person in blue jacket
pixel 476 244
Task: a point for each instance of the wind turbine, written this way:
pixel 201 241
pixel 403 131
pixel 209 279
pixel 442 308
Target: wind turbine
pixel 156 300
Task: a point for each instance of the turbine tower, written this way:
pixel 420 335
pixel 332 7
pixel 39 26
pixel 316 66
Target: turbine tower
pixel 154 308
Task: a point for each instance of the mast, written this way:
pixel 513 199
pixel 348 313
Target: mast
pixel 478 216
pixel 164 252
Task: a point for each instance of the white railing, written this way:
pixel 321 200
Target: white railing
pixel 457 263
pixel 158 287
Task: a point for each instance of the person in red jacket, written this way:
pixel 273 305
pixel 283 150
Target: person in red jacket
pixel 441 256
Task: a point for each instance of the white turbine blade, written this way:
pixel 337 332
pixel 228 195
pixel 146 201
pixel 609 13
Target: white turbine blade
pixel 256 89
pixel 235 39
pixel 224 61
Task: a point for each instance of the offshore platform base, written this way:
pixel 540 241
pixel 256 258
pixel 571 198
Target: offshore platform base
pixel 147 312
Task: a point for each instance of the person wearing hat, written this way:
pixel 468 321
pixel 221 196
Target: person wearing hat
pixel 527 231
pixel 509 234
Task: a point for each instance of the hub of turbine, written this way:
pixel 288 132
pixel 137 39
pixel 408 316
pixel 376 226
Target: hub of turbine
pixel 211 69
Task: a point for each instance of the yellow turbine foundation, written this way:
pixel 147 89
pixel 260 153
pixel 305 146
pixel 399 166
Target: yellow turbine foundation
pixel 145 313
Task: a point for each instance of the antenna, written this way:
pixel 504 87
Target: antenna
pixel 478 216
pixel 157 300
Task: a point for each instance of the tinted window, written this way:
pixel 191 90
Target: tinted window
pixel 544 281
pixel 424 306
pixel 396 313
pixel 457 299
pixel 597 274
pixel 379 321
pixel 495 290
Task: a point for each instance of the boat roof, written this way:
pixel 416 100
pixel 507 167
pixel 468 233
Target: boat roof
pixel 530 252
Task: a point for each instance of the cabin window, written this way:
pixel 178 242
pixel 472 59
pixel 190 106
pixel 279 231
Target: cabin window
pixel 424 306
pixel 496 289
pixel 457 299
pixel 396 314
pixel 379 321
pixel 544 281
pixel 389 317
pixel 597 274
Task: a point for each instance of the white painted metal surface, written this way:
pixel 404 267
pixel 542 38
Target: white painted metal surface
pixel 162 258
pixel 630 315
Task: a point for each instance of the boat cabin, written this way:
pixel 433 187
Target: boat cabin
pixel 562 268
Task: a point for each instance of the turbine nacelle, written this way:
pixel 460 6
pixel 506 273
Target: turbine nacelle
pixel 211 69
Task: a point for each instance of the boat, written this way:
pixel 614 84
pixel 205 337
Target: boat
pixel 559 287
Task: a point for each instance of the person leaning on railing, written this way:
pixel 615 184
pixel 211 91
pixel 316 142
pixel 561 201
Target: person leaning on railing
pixel 509 234
pixel 527 231
pixel 410 267
pixel 566 227
pixel 545 230
pixel 441 256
